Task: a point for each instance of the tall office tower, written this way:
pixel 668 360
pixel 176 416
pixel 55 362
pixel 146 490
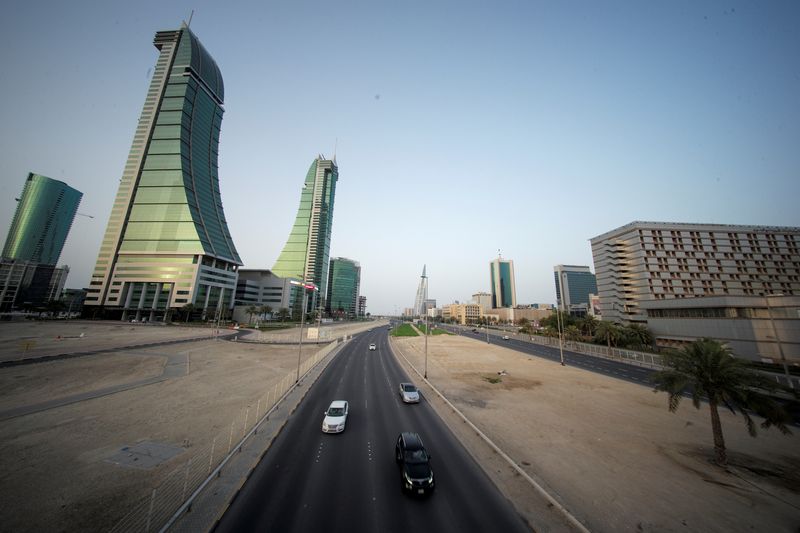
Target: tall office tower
pixel 504 288
pixel 167 243
pixel 646 261
pixel 306 253
pixel 422 295
pixel 344 282
pixel 42 221
pixel 574 284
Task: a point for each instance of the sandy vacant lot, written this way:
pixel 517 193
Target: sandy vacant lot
pixel 610 451
pixel 55 464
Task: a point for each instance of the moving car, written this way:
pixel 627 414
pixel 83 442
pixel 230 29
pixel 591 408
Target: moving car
pixel 335 417
pixel 409 393
pixel 505 337
pixel 415 464
pixel 372 347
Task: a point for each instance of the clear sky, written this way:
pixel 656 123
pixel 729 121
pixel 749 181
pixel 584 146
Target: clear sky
pixel 461 128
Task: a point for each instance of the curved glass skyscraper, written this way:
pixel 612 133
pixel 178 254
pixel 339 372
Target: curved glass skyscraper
pixel 42 220
pixel 167 243
pixel 307 251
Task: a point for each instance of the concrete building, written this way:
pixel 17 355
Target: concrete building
pixel 501 278
pixel 463 313
pixel 362 306
pixel 760 328
pixel 644 261
pixel 574 284
pixel 484 299
pixel 307 251
pixel 515 314
pixel 344 284
pixel 167 242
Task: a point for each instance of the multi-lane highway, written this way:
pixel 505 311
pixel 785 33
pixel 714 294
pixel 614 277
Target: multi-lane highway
pixel 311 481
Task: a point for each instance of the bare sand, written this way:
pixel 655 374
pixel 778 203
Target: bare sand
pixel 608 450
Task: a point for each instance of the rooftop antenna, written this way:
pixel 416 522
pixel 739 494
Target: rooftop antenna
pixel 190 18
pixel 335 145
pixel 499 254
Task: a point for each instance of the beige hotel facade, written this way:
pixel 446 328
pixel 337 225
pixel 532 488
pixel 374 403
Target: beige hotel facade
pixel 691 280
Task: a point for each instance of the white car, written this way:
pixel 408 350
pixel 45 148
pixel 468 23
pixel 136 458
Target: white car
pixel 505 337
pixel 335 417
pixel 409 393
pixel 372 347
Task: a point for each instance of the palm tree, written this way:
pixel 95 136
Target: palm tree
pixel 572 333
pixel 265 310
pixel 588 325
pixel 707 369
pixel 188 309
pixel 283 314
pixel 608 332
pixel 251 310
pixel 639 335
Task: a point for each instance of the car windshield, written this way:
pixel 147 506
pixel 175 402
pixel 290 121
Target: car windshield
pixel 407 387
pixel 336 411
pixel 416 456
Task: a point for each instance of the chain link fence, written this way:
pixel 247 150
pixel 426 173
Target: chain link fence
pixel 617 354
pixel 157 509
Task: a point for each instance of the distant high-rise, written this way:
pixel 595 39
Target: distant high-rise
pixel 167 242
pixel 504 289
pixel 42 220
pixel 344 282
pixel 574 284
pixel 307 251
pixel 422 294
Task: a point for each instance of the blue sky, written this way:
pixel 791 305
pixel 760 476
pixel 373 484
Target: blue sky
pixel 460 128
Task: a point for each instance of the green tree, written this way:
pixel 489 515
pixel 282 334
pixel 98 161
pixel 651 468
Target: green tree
pixel 54 306
pixel 187 311
pixel 251 310
pixel 638 336
pixel 608 332
pixel 588 325
pixel 283 314
pixel 707 369
pixel 572 333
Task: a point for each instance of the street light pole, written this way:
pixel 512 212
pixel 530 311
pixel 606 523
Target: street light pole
pixel 560 336
pixel 305 287
pixel 426 345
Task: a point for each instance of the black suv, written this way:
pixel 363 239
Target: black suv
pixel 415 464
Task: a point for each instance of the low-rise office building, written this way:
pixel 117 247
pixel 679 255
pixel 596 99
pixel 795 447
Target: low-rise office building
pixel 760 328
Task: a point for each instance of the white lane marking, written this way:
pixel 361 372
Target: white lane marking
pixel 319 451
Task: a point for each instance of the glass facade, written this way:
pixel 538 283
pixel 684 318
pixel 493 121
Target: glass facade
pixel 578 283
pixel 501 274
pixel 42 220
pixel 167 242
pixel 344 280
pixel 307 251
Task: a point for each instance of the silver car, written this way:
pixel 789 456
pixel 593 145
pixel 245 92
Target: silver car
pixel 409 393
pixel 335 417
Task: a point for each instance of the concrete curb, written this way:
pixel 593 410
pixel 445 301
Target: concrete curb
pixel 539 489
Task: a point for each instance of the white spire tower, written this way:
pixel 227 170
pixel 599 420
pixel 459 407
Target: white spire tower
pixel 422 294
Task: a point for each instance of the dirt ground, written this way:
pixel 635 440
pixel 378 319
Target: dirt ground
pixel 608 450
pixel 54 464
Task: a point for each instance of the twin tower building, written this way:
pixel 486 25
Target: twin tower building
pixel 167 243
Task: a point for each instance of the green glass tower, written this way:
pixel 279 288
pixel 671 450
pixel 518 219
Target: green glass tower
pixel 42 221
pixel 344 282
pixel 167 243
pixel 307 251
pixel 504 288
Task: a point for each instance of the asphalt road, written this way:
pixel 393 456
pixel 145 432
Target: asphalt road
pixel 311 481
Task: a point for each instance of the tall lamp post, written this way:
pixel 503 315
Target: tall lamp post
pixel 560 335
pixel 426 344
pixel 306 287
